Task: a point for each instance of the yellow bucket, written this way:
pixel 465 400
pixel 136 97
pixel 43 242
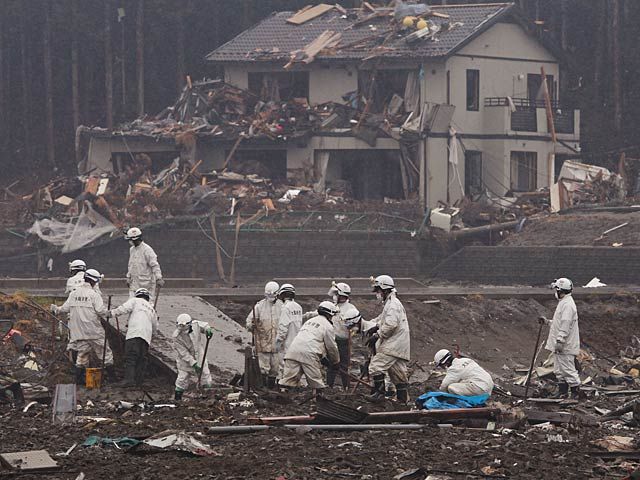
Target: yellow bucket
pixel 93 377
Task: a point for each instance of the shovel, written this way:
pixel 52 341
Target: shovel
pixel 533 362
pixel 155 301
pixel 104 347
pixel 204 359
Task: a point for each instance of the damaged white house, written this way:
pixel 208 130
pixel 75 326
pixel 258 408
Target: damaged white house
pixel 434 111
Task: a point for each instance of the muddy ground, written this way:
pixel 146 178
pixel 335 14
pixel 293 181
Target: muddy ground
pixel 499 333
pixel 578 229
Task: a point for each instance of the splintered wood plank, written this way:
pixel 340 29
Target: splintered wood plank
pixel 307 14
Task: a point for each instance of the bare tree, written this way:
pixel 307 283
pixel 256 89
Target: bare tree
pixel 180 47
pixel 108 64
pixel 616 58
pixel 48 84
pixel 140 56
pixel 75 76
pixel 26 83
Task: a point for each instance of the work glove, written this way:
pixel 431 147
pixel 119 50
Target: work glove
pixel 542 320
pixel 53 308
pixel 160 281
pixel 197 368
pixel 372 340
pixel 559 346
pixel 209 332
pixel 325 362
pixel 109 314
pixel 373 330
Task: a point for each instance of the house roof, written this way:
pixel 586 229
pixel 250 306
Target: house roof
pixel 274 39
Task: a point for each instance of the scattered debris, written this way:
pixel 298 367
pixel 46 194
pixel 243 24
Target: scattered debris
pixel 174 440
pixel 33 460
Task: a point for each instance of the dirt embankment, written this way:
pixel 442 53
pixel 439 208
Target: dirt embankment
pixel 578 229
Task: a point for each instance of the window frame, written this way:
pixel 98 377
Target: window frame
pixel 523 160
pixel 473 90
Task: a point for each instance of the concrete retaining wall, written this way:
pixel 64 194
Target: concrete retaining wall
pixel 185 251
pixel 540 265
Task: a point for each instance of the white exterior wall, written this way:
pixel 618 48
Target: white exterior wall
pixel 329 84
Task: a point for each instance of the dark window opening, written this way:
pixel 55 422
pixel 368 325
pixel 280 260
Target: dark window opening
pixel 535 94
pixel 473 90
pixel 264 163
pixel 366 174
pixel 279 86
pixel 473 172
pixel 138 162
pixel 388 84
pixel 524 171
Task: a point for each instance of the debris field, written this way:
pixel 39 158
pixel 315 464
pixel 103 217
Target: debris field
pixel 538 438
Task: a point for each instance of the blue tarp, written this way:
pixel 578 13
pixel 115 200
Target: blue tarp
pixel 445 401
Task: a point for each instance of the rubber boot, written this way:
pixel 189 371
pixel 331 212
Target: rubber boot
pixel 80 375
pixel 378 391
pixel 271 382
pixel 575 392
pixel 563 390
pixel 177 395
pixel 331 377
pixel 18 396
pixel 402 392
pixel 111 373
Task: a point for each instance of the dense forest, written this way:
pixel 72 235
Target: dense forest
pixel 65 63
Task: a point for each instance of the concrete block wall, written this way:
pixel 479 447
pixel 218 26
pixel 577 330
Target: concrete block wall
pixel 538 266
pixel 184 251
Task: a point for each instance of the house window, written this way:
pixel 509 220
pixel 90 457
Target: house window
pixel 472 172
pixel 524 171
pixel 279 86
pixel 473 90
pixel 535 93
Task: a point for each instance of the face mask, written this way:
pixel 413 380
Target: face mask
pixel 334 298
pixel 557 295
pixel 379 296
pixel 131 243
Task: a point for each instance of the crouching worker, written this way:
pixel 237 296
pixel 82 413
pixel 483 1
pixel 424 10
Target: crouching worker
pixel 142 325
pixel 464 376
pixel 314 346
pixel 189 345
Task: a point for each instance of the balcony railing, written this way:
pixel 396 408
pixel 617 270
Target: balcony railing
pixel 525 116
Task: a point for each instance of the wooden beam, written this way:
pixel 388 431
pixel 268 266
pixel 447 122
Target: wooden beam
pixel 306 14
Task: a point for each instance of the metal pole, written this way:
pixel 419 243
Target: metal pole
pixel 204 359
pixel 104 347
pixel 533 361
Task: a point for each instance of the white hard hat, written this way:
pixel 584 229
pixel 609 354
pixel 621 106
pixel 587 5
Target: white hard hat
pixel 351 317
pixel 341 289
pixel 184 319
pixel 328 308
pixel 286 287
pixel 563 284
pixel 271 289
pixel 385 282
pixel 77 265
pixel 442 356
pixel 133 233
pixel 93 274
pixel 142 292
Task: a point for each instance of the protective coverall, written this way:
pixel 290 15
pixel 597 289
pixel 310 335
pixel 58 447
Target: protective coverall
pixel 466 377
pixel 316 340
pixel 288 327
pixel 564 341
pixel 84 306
pixel 267 316
pixel 393 347
pixel 343 340
pixel 144 269
pixel 142 325
pixel 188 345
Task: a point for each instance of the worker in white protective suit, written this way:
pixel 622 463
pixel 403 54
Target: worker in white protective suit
pixel 77 269
pixel 347 316
pixel 144 269
pixel 314 346
pixel 85 308
pixel 141 326
pixel 189 346
pixel 262 322
pixel 390 338
pixel 288 325
pixel 464 376
pixel 564 339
